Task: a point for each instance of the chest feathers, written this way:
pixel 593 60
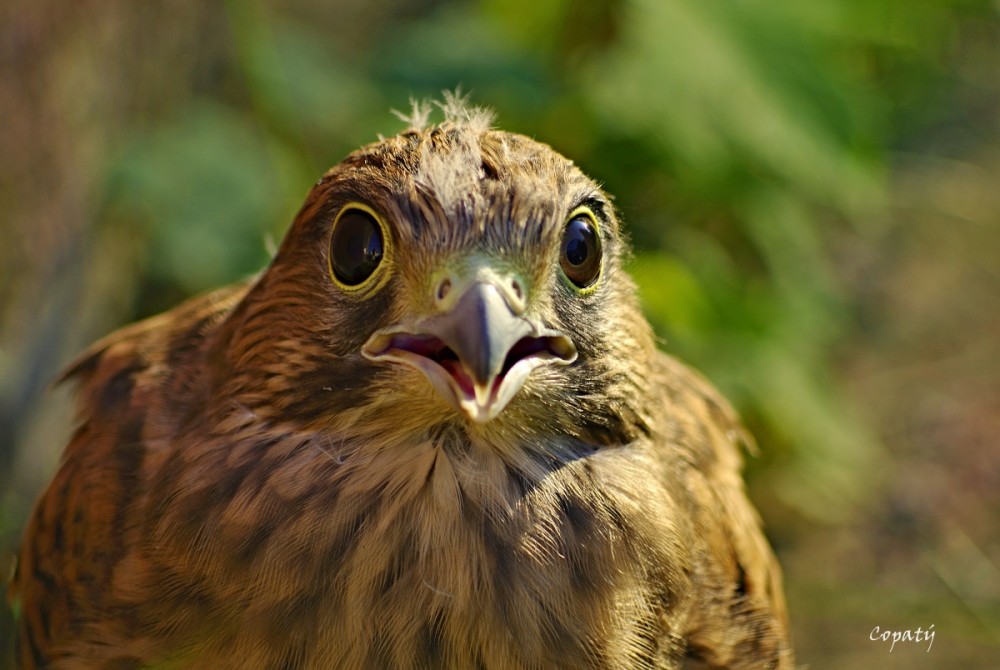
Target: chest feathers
pixel 325 554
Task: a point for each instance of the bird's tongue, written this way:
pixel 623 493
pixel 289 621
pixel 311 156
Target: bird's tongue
pixel 461 377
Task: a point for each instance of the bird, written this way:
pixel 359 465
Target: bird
pixel 436 431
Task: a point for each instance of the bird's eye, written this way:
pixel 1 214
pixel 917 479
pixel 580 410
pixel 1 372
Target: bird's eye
pixel 581 250
pixel 356 246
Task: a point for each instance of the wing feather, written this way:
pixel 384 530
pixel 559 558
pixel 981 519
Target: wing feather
pixel 76 535
pixel 739 612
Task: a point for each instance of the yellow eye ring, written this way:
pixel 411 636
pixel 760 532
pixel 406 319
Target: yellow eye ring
pixel 581 256
pixel 360 249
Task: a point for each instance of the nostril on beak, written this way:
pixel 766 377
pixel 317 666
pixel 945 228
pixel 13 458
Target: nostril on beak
pixel 515 287
pixel 515 295
pixel 443 289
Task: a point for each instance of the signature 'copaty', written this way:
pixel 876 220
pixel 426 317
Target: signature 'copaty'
pixel 434 432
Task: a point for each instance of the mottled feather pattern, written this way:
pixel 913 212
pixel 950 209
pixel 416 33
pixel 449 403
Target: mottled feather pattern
pixel 245 490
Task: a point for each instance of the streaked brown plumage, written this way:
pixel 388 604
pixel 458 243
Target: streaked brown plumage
pixel 463 460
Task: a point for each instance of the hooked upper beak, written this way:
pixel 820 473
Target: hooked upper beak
pixel 477 353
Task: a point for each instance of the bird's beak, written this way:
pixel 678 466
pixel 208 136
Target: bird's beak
pixel 478 352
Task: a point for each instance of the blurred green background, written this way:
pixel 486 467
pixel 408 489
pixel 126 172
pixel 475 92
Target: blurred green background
pixel 812 190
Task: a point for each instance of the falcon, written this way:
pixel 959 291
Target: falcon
pixel 435 432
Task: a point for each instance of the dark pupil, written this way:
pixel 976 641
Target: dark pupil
pixel 356 247
pixel 581 258
pixel 576 248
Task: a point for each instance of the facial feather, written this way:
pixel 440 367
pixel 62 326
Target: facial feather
pixel 451 196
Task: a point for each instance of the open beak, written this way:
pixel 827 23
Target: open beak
pixel 477 354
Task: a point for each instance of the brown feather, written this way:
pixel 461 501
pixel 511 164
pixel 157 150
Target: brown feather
pixel 244 489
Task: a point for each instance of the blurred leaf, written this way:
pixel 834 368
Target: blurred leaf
pixel 532 24
pixel 316 101
pixel 799 271
pixel 836 463
pixel 671 296
pixel 206 186
pixel 495 70
pixel 718 84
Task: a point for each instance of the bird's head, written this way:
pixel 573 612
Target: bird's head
pixel 455 273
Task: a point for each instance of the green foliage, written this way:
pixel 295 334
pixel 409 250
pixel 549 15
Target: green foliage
pixel 208 189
